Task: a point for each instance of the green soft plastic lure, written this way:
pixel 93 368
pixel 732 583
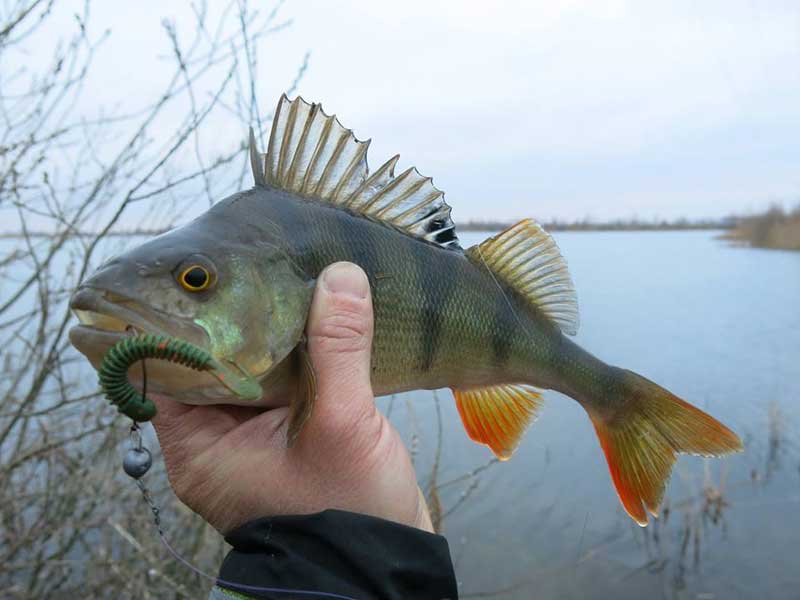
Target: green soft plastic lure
pixel 113 371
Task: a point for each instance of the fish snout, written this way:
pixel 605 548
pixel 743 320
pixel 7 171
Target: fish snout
pixel 113 277
pixel 88 297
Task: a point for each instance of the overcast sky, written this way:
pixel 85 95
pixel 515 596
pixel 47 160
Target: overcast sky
pixel 548 109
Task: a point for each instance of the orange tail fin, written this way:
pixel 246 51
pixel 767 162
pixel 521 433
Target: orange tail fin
pixel 641 440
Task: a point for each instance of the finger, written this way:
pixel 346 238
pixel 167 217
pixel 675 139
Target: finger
pixel 339 342
pixel 184 430
pixel 217 418
pixel 168 411
pixel 175 427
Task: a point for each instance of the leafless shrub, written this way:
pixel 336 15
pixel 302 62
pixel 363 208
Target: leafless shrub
pixel 774 228
pixel 69 522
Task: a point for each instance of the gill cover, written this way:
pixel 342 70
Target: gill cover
pixel 257 317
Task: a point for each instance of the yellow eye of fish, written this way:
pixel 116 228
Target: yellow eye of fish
pixel 195 278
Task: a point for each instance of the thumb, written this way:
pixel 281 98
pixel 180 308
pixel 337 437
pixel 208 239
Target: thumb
pixel 339 334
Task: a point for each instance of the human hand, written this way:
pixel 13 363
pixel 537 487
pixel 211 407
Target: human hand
pixel 231 464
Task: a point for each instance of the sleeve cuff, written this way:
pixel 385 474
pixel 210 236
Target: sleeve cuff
pixel 337 552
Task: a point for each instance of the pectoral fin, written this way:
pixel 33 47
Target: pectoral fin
pixel 305 393
pixel 498 416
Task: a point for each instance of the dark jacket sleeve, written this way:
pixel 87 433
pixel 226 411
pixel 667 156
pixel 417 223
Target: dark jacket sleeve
pixel 337 553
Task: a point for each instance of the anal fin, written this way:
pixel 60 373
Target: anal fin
pixel 497 416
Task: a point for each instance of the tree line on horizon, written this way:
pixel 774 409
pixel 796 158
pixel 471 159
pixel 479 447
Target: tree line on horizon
pixel 775 227
pixel 631 224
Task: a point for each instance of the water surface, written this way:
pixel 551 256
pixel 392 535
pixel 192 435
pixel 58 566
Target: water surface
pixel 717 325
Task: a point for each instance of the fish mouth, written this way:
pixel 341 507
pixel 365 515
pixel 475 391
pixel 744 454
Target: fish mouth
pixel 106 317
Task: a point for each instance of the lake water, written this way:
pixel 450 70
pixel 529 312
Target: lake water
pixel 717 325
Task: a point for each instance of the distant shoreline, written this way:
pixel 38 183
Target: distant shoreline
pixel 775 229
pixel 680 225
pixel 12 235
pixel 469 226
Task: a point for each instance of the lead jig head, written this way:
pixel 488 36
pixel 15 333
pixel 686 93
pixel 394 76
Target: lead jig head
pixel 137 462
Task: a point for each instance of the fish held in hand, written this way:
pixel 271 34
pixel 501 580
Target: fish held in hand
pixel 490 322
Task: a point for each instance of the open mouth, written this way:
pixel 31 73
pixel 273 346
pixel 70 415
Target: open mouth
pixel 105 317
pixel 106 312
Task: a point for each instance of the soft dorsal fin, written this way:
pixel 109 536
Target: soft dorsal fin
pixel 313 155
pixel 525 257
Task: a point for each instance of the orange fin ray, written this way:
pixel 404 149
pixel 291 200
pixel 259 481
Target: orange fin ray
pixel 497 416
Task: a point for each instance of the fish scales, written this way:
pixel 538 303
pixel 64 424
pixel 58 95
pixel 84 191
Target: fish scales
pixel 439 319
pixel 490 322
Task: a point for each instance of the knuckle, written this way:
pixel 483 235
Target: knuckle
pixel 344 330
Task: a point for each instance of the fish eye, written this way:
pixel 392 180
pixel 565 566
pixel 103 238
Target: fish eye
pixel 195 278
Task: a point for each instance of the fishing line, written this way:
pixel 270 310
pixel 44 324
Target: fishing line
pixel 138 459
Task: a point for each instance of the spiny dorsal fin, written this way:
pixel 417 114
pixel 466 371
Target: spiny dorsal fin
pixel 313 155
pixel 526 258
pixel 498 415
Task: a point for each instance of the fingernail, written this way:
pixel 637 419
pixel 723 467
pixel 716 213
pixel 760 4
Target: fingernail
pixel 346 278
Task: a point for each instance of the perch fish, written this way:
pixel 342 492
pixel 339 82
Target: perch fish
pixel 491 322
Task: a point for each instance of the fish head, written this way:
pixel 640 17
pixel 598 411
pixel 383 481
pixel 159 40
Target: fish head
pixel 243 301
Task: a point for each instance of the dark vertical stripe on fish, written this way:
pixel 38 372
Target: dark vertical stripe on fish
pixel 358 245
pixel 437 286
pixel 501 332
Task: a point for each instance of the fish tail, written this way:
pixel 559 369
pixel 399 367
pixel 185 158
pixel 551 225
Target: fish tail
pixel 642 438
